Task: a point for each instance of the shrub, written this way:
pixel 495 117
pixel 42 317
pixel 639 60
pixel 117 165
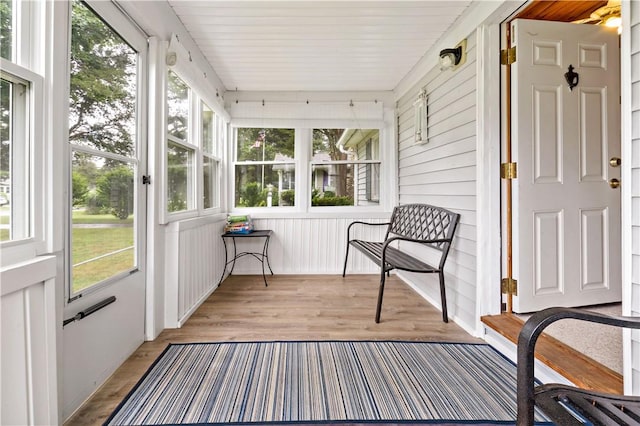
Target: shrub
pixel 288 197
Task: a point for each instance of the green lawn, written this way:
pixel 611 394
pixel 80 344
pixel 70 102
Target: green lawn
pixel 79 216
pixel 92 243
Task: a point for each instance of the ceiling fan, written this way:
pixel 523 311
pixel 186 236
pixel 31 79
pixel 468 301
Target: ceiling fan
pixel 601 16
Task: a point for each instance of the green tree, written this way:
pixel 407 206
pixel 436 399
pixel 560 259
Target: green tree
pixel 80 189
pixel 103 72
pixel 326 140
pixel 6 28
pixel 6 43
pixel 115 189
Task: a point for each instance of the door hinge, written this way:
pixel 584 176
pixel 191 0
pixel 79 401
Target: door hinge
pixel 508 56
pixel 509 286
pixel 146 179
pixel 509 170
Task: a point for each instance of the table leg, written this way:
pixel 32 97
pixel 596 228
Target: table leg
pixel 266 253
pixel 224 269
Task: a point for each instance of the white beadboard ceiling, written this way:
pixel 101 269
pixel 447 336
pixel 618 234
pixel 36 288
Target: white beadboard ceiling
pixel 315 45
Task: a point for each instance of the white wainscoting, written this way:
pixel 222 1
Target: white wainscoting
pixel 28 373
pixel 195 255
pixel 194 261
pixel 310 246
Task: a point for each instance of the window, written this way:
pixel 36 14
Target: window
pixel 14 158
pixel 265 167
pixel 194 134
pixel 210 159
pixel 345 167
pixel 322 167
pixel 180 152
pixel 21 136
pixel 103 141
pixel 6 29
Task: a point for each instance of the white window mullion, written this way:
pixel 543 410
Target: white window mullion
pixel 303 169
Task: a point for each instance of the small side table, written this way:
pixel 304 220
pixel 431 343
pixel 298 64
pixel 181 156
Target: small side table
pixel 262 257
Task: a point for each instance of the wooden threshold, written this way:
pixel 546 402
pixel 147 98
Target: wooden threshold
pixel 575 366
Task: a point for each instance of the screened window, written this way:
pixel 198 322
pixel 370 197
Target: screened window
pixel 265 167
pixel 345 167
pixel 103 140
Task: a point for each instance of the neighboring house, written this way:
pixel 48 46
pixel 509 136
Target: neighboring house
pixel 458 168
pixel 365 144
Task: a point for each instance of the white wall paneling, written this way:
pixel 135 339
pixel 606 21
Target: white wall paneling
pixel 28 375
pixel 311 246
pixel 194 262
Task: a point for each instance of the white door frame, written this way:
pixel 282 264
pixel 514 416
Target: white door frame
pixel 488 184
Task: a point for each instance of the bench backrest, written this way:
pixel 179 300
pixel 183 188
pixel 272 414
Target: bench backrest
pixel 425 222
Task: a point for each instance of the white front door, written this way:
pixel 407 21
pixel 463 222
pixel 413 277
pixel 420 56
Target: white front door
pixel 566 214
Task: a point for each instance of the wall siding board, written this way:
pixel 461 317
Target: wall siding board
pixel 442 172
pixel 634 8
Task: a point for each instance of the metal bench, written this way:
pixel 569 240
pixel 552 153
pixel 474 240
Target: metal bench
pixel 563 404
pixel 420 224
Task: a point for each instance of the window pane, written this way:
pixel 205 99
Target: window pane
pixel 177 107
pixel 6 29
pixel 210 175
pixel 14 160
pixel 103 225
pixel 265 144
pixel 332 185
pixel 349 173
pixel 179 177
pixel 102 102
pixel 263 185
pixel 208 129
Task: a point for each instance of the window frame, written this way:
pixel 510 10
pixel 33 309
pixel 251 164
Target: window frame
pixel 195 144
pixel 111 16
pixel 33 244
pixel 356 167
pixel 214 155
pixel 234 162
pixel 303 171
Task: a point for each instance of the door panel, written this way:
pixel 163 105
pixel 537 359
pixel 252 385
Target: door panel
pixel 566 229
pixel 106 242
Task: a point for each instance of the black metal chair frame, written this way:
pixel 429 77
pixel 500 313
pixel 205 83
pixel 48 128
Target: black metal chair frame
pixel 555 400
pixel 423 224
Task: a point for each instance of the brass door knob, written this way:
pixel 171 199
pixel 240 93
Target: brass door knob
pixel 614 162
pixel 614 183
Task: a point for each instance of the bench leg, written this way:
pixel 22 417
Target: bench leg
pixel 443 297
pixel 380 292
pixel 346 256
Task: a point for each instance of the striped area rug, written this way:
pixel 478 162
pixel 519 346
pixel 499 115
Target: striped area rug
pixel 323 382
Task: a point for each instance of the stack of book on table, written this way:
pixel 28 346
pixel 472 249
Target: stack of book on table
pixel 239 224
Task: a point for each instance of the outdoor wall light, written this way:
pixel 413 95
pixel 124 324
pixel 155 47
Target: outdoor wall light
pixel 453 58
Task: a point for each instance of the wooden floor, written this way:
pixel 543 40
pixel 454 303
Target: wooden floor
pixel 293 307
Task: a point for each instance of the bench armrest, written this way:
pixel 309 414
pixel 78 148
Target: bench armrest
pixel 363 223
pixel 526 347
